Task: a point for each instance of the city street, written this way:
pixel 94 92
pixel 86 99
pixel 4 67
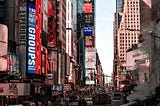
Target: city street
pixel 103 105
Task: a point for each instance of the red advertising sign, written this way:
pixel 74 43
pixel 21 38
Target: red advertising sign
pixel 89 41
pixel 44 61
pixel 87 7
pixel 38 35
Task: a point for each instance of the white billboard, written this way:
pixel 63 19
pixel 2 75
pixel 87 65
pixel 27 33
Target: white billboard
pixel 90 58
pixel 4 44
pixel 14 89
pixel 90 76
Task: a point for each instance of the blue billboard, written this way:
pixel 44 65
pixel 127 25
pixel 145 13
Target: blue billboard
pixel 31 38
pixel 87 30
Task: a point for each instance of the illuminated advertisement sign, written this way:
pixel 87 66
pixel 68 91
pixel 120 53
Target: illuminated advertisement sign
pixel 90 76
pixel 4 45
pixel 13 63
pixel 89 19
pixel 89 41
pixel 44 61
pixel 17 89
pixel 38 35
pixel 87 30
pixel 31 37
pixel 90 58
pixel 87 7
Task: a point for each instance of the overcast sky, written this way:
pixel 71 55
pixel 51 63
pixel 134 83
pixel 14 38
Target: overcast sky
pixel 104 33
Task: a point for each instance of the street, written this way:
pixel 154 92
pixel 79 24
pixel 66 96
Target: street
pixel 103 105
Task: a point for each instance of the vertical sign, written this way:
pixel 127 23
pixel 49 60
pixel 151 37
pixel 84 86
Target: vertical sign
pixel 38 33
pixel 31 36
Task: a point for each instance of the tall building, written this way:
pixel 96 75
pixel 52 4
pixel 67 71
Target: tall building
pixel 61 38
pixel 127 33
pixel 117 20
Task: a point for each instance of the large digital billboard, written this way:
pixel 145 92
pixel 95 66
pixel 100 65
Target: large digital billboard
pixel 31 36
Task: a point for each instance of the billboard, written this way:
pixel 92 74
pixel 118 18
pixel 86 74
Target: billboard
pixel 31 54
pixel 38 35
pixel 13 63
pixel 87 8
pixel 17 89
pixel 90 76
pixel 4 44
pixel 90 58
pixel 44 61
pixel 87 30
pixel 88 19
pixel 89 41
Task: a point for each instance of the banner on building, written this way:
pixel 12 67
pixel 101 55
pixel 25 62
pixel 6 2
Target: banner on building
pixel 89 41
pixel 90 76
pixel 4 45
pixel 87 7
pixel 17 89
pixel 90 58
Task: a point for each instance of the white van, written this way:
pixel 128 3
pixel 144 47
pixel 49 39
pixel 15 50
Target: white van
pixel 117 98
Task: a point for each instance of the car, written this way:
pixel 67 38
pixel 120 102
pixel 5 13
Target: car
pixel 117 98
pixel 101 98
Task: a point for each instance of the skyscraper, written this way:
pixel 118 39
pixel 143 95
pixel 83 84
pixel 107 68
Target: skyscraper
pixel 127 33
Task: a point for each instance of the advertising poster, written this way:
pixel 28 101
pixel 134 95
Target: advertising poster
pixel 9 89
pixel 44 61
pixel 13 63
pixel 90 58
pixel 89 41
pixel 90 76
pixel 4 44
pixel 38 35
pixel 87 30
pixel 87 7
pixel 31 36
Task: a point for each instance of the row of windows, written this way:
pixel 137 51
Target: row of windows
pixel 131 15
pixel 128 37
pixel 132 2
pixel 129 44
pixel 134 9
pixel 128 40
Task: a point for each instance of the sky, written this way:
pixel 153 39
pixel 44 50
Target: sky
pixel 104 33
